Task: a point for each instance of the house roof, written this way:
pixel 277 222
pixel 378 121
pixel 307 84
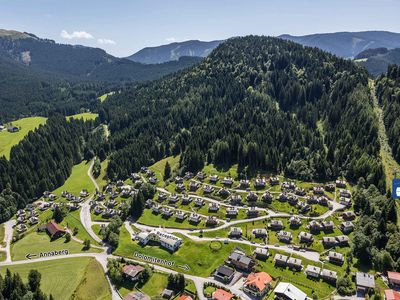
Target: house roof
pixel 365 280
pixel 259 280
pixel 290 291
pixel 131 270
pixel 185 297
pixel 52 227
pixel 221 294
pixel 136 296
pixel 393 275
pixel 224 270
pixel 392 295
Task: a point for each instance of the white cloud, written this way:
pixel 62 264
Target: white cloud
pixel 75 35
pixel 106 42
pixel 170 39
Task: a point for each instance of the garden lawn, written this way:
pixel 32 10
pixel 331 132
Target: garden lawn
pixel 197 255
pixel 77 181
pixel 3 256
pixel 148 218
pixel 64 277
pixel 84 116
pixel 153 287
pixel 35 243
pixel 72 220
pixel 8 140
pixel 102 179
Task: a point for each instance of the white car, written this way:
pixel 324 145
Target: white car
pixel 398 191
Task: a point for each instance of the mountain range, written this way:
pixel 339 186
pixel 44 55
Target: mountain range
pixel 377 60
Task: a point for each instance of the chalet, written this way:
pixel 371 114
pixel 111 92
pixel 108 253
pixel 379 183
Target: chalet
pixel 54 230
pixel 329 241
pixel 280 260
pixel 364 282
pixel 73 206
pixel 236 199
pixel 44 206
pixel 393 278
pixel 252 197
pixel 294 221
pixel 231 212
pixel 167 294
pixel 2 127
pixel 100 197
pixel 109 213
pixel 283 197
pixel 166 212
pixel 345 201
pixel 329 276
pixel 149 203
pixel 392 295
pixel 98 209
pixel 166 240
pixel 194 218
pixel 312 271
pixel 111 203
pixel 344 193
pixel 292 199
pixel 127 191
pixel 162 197
pixel 213 207
pixel 287 291
pixel 260 232
pixel 21 228
pixel 138 183
pixel 213 179
pixel 288 185
pixel 267 197
pixel 323 200
pixel 186 200
pixel 335 258
pixel 136 296
pixel 33 220
pixel 330 187
pixel 244 183
pixel 119 183
pixel 174 198
pixel 257 284
pixel 348 215
pixel 261 253
pixel 328 226
pixel 252 212
pixel 294 264
pixel 260 183
pixel 143 169
pixel 199 202
pixel 208 189
pixel 108 188
pixel 273 180
pixel 149 173
pixel 241 261
pixel 300 191
pixel 224 274
pixel 314 226
pixel 235 232
pixel 312 199
pixel 131 272
pixel 201 176
pixel 221 294
pixel 227 181
pixel 276 225
pixel 21 220
pixel 21 213
pixel 223 192
pixel 340 183
pixel 211 221
pixel 347 227
pixel 188 175
pixel 153 180
pixel 12 129
pixel 178 179
pixel 285 236
pixel 343 240
pixel 305 237
pixel 180 215
pixel 318 190
pixel 156 209
pixel 194 186
pixel 303 207
pixel 135 176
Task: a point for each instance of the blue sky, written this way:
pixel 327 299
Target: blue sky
pixel 122 27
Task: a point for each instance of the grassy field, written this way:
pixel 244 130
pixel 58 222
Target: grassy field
pixel 85 116
pixel 72 220
pixel 77 181
pixel 201 259
pixel 2 234
pixel 148 218
pixel 103 97
pixel 102 179
pixel 2 256
pixel 159 166
pixel 7 139
pixel 67 277
pixel 40 242
pixel 153 287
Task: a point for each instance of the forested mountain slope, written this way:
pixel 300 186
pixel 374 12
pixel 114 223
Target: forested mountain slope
pixel 376 61
pixel 388 93
pixel 257 101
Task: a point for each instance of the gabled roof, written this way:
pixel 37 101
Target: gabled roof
pixel 392 295
pixel 185 297
pixel 221 294
pixel 393 275
pixel 52 227
pixel 259 280
pixel 132 271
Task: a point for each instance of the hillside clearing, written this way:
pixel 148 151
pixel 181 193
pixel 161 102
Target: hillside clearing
pixel 84 116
